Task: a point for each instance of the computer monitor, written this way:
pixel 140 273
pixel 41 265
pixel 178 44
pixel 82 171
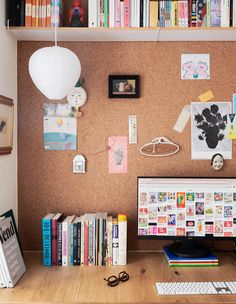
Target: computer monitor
pixel 185 210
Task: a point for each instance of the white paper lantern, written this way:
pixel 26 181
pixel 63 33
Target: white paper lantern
pixel 55 71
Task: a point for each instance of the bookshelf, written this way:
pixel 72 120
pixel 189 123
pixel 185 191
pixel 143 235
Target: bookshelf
pixel 45 285
pixel 125 34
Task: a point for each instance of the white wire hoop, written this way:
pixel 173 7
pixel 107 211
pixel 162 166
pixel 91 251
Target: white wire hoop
pixel 158 141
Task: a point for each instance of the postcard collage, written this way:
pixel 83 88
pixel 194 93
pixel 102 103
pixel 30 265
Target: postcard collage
pixel 182 213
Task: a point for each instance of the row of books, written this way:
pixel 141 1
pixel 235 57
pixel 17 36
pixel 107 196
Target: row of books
pixel 89 239
pixel 121 13
pixel 12 265
pixel 176 261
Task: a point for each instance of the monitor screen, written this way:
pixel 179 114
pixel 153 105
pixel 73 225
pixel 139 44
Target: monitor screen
pixel 178 208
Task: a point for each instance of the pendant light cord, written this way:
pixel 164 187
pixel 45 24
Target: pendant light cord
pixel 55 27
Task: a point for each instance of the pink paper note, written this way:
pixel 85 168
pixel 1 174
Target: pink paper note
pixel 117 155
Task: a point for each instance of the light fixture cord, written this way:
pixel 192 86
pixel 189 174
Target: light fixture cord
pixel 55 27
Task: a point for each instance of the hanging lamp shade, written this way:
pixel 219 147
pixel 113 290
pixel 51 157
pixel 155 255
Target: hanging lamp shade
pixel 55 71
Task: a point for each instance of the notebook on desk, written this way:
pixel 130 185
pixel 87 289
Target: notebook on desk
pixel 176 261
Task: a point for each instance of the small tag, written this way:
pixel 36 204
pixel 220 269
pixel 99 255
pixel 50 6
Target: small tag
pixel 132 129
pixel 182 119
pixel 206 96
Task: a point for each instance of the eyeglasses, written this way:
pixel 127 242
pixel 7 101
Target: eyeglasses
pixel 113 280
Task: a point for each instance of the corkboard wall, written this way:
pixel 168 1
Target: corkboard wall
pixel 46 181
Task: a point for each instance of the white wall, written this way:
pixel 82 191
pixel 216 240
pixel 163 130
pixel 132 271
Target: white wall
pixel 8 88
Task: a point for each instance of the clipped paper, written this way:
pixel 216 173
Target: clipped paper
pixel 132 129
pixel 206 96
pixel 183 119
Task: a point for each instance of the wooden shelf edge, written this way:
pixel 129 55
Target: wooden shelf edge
pixel 125 34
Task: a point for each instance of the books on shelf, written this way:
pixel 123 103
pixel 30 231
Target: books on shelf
pixel 176 261
pixel 86 240
pixel 12 266
pixel 121 13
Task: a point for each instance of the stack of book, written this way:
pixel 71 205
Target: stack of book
pixel 121 13
pixel 176 261
pixel 12 266
pixel 89 239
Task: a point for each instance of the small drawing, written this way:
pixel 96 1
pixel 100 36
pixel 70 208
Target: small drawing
pixel 117 154
pixel 195 66
pixel 3 124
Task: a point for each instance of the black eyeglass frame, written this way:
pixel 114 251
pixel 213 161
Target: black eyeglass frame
pixel 113 280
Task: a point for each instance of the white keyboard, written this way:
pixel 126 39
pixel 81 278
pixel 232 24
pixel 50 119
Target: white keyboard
pixel 196 288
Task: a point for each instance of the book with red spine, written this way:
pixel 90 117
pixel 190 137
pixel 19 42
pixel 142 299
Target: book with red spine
pixel 126 13
pixel 55 220
pixel 28 13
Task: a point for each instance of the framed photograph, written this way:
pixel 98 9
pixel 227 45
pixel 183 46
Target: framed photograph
pixel 6 125
pixel 124 86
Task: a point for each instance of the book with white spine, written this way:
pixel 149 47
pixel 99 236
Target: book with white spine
pixel 66 240
pixel 111 13
pixel 122 239
pixel 12 266
pixel 93 13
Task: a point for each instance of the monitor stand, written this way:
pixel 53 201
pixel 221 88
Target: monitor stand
pixel 188 249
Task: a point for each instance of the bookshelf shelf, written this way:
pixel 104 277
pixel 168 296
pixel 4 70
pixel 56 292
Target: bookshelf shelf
pixel 125 34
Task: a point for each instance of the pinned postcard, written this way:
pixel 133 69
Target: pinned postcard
pixel 206 96
pixel 230 120
pixel 195 66
pixel 117 155
pixel 182 119
pixel 234 103
pixel 60 133
pixel 209 130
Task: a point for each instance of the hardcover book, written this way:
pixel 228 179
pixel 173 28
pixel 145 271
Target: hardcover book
pixel 47 237
pixel 12 266
pixel 75 13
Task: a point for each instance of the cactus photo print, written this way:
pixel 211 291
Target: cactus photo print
pixel 209 130
pixel 117 154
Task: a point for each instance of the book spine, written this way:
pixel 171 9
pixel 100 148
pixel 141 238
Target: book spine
pixel 33 13
pixel 86 242
pixel 122 14
pixel 208 4
pixel 48 14
pixel 28 13
pixel 101 10
pixel 75 244
pixel 82 244
pixel 106 13
pixel 79 243
pixel 141 14
pixel 22 13
pixel 122 237
pixel 90 243
pixel 115 243
pixel 234 13
pixel 64 244
pixel 93 13
pixel 137 13
pixel 126 13
pixel 153 13
pixel 44 13
pixel 59 243
pixel 71 239
pixel 37 13
pixel 185 10
pixel 117 13
pixel 47 250
pixel 148 14
pixel 111 13
pixel 40 13
pixel 54 242
pixel 104 241
pixel 109 243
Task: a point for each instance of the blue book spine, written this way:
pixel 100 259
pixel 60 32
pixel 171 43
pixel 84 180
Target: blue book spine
pixel 47 248
pixel 71 244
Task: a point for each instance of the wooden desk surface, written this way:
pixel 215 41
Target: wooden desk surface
pixel 77 284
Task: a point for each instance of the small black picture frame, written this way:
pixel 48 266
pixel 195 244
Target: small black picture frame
pixel 124 86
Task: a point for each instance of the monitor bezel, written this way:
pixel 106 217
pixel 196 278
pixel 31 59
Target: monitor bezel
pixel 181 238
